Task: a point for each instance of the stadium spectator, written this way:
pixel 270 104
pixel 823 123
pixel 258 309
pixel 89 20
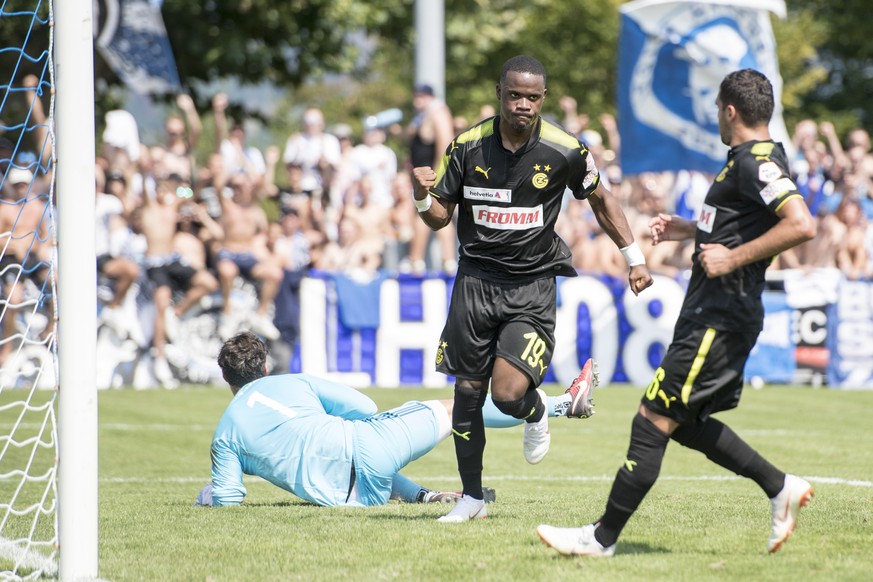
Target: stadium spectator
pixel 7 150
pixel 196 233
pixel 613 138
pixel 322 441
pixel 813 180
pixel 852 254
pixel 212 184
pixel 111 232
pixel 402 225
pixel 317 152
pixel 651 197
pixel 593 251
pixel 26 254
pixel 244 252
pixel 343 178
pixel 429 134
pixel 310 204
pixel 501 321
pixel 179 148
pixel 804 137
pixel 371 216
pixel 573 121
pixel 238 157
pixel 168 270
pixel 40 126
pixel 378 163
pixel 290 246
pixel 353 253
pixel 757 212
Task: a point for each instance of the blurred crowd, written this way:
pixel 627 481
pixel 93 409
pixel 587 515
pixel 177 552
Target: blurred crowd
pixel 183 229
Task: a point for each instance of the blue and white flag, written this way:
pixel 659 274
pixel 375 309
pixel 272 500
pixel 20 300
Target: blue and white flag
pixel 131 37
pixel 673 55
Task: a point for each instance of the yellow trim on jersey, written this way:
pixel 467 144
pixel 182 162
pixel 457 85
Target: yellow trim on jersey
pixel 702 352
pixel 479 131
pixel 558 136
pixel 444 163
pixel 781 204
pixel 763 149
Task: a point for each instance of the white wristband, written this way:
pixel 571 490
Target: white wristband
pixel 422 205
pixel 633 255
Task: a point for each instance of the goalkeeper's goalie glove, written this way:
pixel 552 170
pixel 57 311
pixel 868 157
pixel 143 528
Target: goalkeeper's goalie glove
pixel 204 498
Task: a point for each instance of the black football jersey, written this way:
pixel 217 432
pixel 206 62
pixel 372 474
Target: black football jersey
pixel 740 206
pixel 508 202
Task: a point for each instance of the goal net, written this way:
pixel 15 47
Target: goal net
pixel 28 355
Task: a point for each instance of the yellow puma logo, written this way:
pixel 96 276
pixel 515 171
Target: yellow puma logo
pixel 629 465
pixel 667 401
pixel 481 171
pixel 463 435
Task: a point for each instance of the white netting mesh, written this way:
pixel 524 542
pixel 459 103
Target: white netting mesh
pixel 28 355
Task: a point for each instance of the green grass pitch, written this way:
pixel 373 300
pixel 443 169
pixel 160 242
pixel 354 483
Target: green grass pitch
pixel 698 522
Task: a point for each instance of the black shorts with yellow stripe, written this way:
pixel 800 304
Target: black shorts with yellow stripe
pixel 701 373
pixel 509 320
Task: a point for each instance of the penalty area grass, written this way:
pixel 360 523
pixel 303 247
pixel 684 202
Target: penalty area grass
pixel 698 522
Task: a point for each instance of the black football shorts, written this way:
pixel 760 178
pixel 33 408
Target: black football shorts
pixel 488 320
pixel 701 373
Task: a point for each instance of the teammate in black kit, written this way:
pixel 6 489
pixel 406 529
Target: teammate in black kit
pixel 507 176
pixel 752 212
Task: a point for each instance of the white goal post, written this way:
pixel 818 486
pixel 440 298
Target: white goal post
pixel 48 488
pixel 77 290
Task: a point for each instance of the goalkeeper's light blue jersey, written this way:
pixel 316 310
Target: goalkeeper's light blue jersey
pixel 292 430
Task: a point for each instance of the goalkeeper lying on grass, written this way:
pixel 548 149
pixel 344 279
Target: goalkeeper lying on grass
pixel 322 441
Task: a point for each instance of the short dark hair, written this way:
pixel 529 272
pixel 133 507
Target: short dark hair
pixel 116 176
pixel 424 89
pixel 751 93
pixel 523 64
pixel 242 359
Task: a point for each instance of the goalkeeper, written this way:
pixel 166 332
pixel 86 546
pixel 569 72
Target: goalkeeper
pixel 322 441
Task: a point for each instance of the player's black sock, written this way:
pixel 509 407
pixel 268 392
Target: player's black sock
pixel 724 447
pixel 468 430
pixel 634 478
pixel 529 407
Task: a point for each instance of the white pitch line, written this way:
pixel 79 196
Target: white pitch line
pixel 18 554
pixel 609 478
pixel 596 478
pixel 157 427
pixel 123 426
pixel 167 427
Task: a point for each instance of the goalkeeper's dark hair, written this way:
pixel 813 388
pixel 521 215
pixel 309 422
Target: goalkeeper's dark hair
pixel 523 64
pixel 242 359
pixel 751 94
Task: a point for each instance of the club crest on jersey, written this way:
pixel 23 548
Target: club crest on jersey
pixel 707 218
pixel 488 194
pixel 500 218
pixel 541 178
